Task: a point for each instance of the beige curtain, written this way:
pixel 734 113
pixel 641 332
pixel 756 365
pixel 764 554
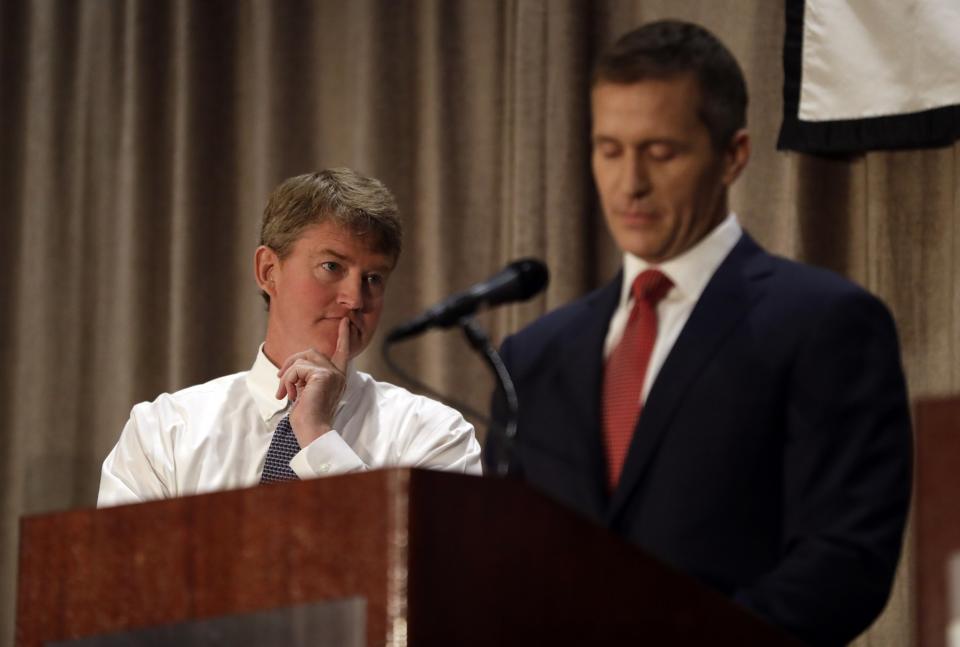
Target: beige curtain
pixel 139 140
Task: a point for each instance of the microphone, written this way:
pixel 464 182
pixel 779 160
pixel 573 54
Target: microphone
pixel 518 281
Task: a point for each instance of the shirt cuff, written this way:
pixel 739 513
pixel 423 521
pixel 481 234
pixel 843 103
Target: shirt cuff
pixel 327 455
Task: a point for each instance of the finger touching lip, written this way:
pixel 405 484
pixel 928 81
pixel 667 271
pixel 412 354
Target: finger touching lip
pixel 355 327
pixel 335 319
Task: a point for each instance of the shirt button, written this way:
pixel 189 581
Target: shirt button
pixel 323 468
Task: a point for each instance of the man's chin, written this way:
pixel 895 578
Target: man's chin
pixel 645 249
pixel 325 343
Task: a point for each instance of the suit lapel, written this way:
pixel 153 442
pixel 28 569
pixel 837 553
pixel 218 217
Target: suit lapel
pixel 731 292
pixel 579 380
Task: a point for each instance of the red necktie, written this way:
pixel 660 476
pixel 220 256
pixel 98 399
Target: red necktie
pixel 626 369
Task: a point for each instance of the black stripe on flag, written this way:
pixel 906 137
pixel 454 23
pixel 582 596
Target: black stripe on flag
pixel 928 128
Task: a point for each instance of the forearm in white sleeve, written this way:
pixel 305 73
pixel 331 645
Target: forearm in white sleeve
pixel 328 454
pixel 127 475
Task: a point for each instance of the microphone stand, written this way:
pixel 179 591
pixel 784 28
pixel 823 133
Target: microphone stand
pixel 480 342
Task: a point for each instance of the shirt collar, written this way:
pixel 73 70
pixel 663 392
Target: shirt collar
pixel 262 381
pixel 691 270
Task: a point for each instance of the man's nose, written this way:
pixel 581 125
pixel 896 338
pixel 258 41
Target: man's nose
pixel 635 177
pixel 351 293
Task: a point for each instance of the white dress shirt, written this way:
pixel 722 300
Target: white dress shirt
pixel 690 273
pixel 214 436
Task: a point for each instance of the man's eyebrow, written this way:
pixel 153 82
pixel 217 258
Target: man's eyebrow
pixel 326 251
pixel 646 143
pixel 383 268
pixel 600 138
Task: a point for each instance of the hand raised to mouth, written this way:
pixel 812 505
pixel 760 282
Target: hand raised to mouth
pixel 315 383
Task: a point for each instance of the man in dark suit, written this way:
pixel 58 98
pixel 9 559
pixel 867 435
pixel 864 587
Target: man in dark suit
pixel 740 416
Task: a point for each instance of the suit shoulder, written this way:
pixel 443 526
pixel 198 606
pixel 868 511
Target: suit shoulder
pixel 810 276
pixel 554 328
pixel 810 289
pixel 553 322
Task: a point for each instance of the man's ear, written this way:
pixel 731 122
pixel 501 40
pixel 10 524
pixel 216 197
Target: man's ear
pixel 265 264
pixel 736 156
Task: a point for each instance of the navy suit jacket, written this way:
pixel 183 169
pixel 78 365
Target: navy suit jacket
pixel 772 458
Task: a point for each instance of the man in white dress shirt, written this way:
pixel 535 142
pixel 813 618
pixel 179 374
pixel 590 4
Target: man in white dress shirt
pixel 329 241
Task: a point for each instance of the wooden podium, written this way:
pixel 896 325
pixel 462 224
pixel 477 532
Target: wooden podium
pixel 435 558
pixel 936 524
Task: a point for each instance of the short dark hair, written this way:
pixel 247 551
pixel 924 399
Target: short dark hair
pixel 670 48
pixel 360 204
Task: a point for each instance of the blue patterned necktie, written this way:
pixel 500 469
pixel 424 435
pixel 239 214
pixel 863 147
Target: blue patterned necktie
pixel 283 447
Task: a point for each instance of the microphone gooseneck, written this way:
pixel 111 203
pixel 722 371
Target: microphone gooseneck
pixel 518 281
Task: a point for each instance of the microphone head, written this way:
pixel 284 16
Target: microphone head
pixel 532 277
pixel 518 281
